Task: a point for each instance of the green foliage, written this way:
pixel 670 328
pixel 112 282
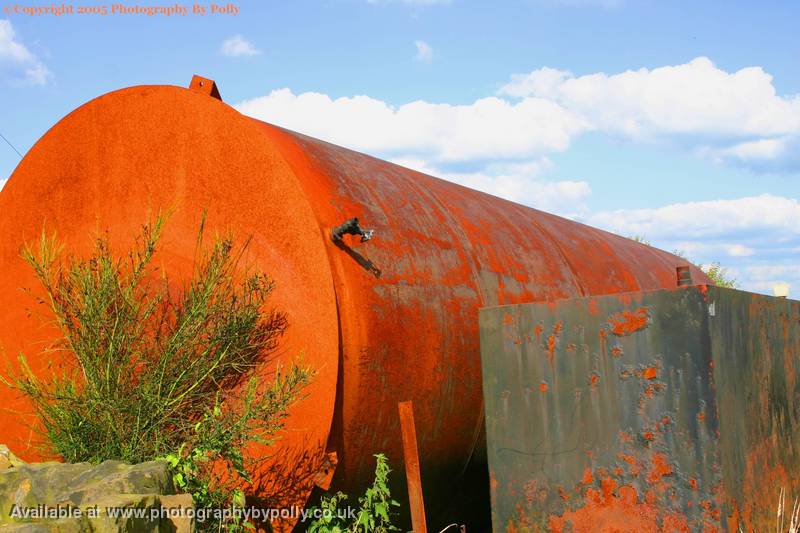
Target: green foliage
pixel 719 275
pixel 640 238
pixel 374 514
pixel 151 365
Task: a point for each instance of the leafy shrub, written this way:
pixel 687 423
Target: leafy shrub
pixel 152 366
pixel 719 275
pixel 374 514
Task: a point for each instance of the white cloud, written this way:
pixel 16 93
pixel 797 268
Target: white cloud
pixel 734 116
pixel 696 97
pixel 725 117
pixel 22 64
pixel 424 52
pixel 518 182
pixel 238 46
pixel 772 154
pixel 757 237
pixel 488 129
pixel 740 250
pixel 708 219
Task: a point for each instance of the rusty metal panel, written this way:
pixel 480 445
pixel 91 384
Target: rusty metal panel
pixel 649 411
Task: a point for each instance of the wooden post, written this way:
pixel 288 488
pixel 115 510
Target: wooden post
pixel 411 454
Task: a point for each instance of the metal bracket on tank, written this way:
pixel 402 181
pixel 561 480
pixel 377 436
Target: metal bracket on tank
pixel 351 227
pixel 205 86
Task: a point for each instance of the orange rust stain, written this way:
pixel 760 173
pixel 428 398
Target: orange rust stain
pixel 701 416
pixel 537 330
pixel 543 386
pixel 704 291
pixel 650 373
pixel 659 468
pixel 616 351
pixel 558 327
pixel 594 379
pixel 633 464
pixel 551 347
pixel 627 322
pixel 693 483
pixel 615 509
pixel 593 308
pixel 508 319
pixel 734 520
pixel 675 523
pixel 648 436
pixel 587 478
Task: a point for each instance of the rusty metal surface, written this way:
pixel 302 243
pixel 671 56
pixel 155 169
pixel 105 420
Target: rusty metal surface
pixel 671 410
pixel 391 319
pixel 408 305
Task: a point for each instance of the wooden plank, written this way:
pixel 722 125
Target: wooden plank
pixel 409 433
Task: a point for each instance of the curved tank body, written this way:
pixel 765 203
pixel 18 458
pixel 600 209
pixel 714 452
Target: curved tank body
pixel 388 320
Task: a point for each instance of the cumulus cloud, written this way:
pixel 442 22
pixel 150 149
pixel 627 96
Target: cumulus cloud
pixel 762 155
pixel 758 237
pixel 238 46
pixel 21 65
pixel 488 129
pixel 424 52
pixel 519 182
pixel 716 219
pixel 729 116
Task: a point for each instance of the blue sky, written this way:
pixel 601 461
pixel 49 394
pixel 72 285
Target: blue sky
pixel 674 120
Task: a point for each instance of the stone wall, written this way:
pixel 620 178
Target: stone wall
pixel 109 497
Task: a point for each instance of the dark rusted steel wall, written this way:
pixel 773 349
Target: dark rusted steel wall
pixel 389 320
pixel 672 410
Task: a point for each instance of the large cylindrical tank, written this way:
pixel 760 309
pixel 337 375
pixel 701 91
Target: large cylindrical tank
pixel 384 321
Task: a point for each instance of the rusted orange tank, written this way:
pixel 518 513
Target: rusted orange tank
pixel 391 319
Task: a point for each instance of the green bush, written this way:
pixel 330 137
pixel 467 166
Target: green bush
pixel 374 514
pixel 152 366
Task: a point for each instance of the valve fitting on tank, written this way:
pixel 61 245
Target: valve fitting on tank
pixel 351 227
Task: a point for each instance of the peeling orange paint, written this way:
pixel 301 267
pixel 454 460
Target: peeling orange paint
pixel 660 468
pixel 627 323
